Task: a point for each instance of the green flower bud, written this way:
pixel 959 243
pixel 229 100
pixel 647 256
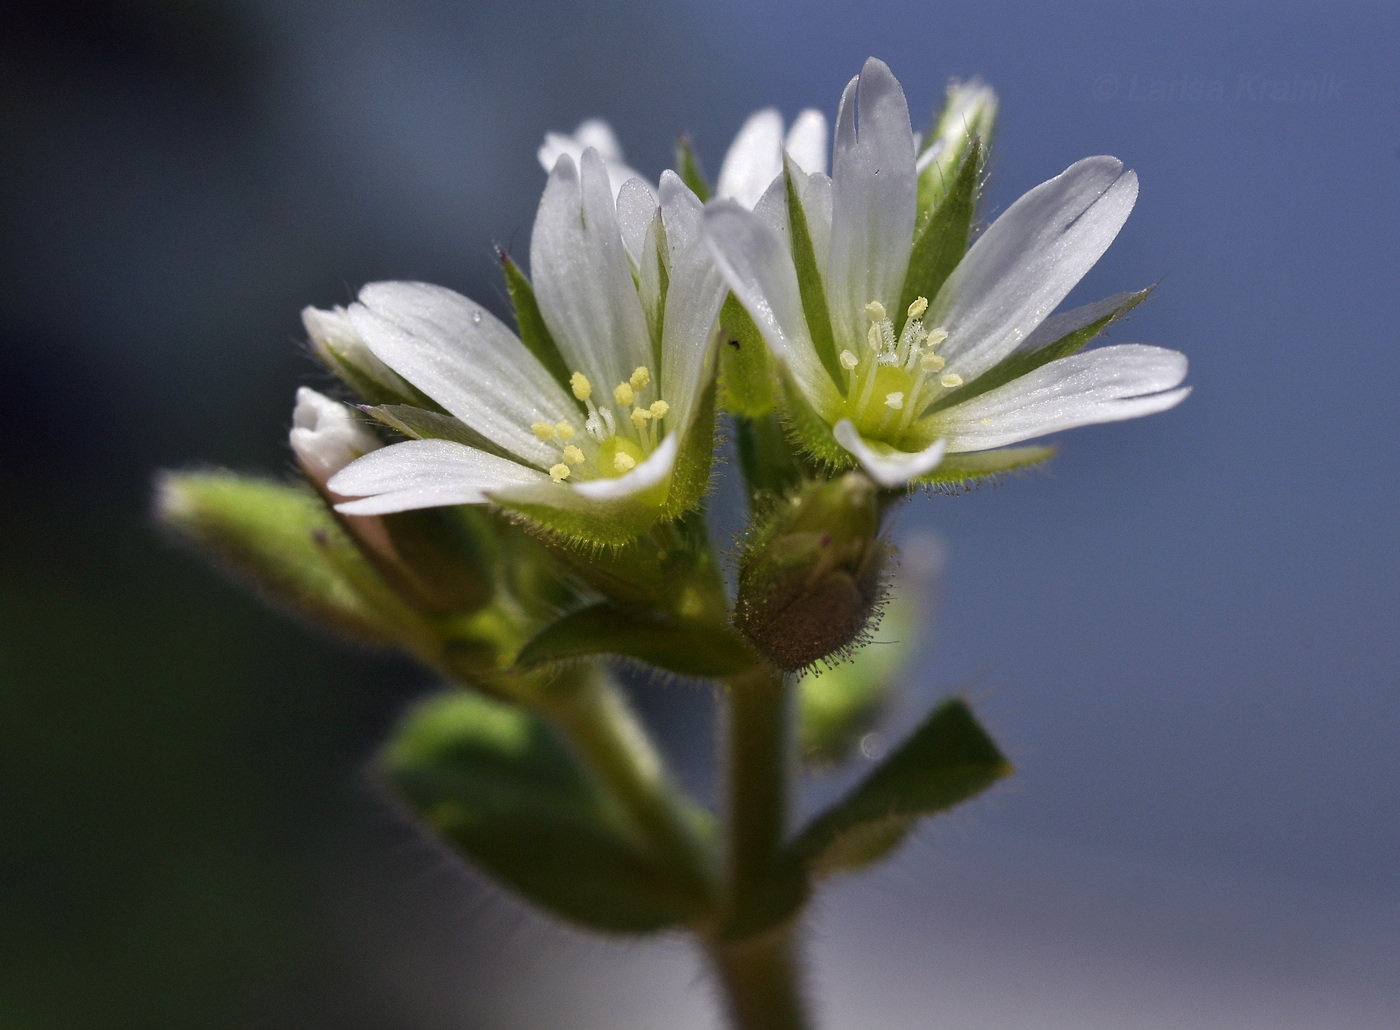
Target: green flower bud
pixel 811 580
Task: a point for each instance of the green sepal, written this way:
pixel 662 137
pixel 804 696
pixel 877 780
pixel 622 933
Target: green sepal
pixel 947 760
pixel 840 704
pixel 284 542
pixel 811 433
pixel 809 281
pixel 495 782
pixel 1028 359
pixel 688 168
pixel 529 323
pixel 692 473
pixel 686 649
pixel 747 378
pixel 965 469
pixel 771 466
pixel 942 242
pixel 421 424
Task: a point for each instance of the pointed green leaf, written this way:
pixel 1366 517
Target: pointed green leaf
pixel 947 760
pixel 943 241
pixel 1079 326
pixel 496 783
pixel 687 649
pixel 688 168
pixel 809 282
pixel 530 323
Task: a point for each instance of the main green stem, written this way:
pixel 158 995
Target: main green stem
pixel 759 973
pixel 593 713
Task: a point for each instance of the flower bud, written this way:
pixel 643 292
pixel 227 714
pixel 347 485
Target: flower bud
pixel 969 113
pixel 430 557
pixel 342 350
pixel 326 436
pixel 812 579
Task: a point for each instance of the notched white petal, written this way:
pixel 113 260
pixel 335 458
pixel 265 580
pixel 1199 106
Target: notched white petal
pixel 888 467
pixel 1104 385
pixel 753 159
pixel 425 474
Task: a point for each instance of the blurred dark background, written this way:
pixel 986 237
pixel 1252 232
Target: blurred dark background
pixel 1185 633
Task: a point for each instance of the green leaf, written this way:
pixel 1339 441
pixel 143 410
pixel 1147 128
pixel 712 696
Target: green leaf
pixel 284 542
pixel 687 649
pixel 947 760
pixel 1057 337
pixel 964 469
pixel 496 783
pixel 809 282
pixel 688 168
pixel 747 380
pixel 943 241
pixel 530 323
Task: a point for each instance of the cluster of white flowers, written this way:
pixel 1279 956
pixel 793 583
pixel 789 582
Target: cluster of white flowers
pixel 603 411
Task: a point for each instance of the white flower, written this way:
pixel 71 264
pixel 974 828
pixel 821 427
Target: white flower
pixel 341 349
pixel 598 455
pixel 326 436
pixel 896 399
pixel 753 160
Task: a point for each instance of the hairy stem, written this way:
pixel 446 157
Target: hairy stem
pixel 595 716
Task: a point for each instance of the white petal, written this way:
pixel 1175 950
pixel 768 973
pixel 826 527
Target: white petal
pixel 636 207
pixel 593 133
pixel 694 296
pixel 873 200
pixel 807 141
pixel 681 210
pixel 755 262
pixel 582 278
pixel 1020 269
pixel 425 474
pixel 889 468
pixel 754 158
pixel 772 210
pixel 1103 385
pixel 326 435
pixel 463 357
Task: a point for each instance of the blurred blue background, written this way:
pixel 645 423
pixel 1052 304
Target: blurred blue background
pixel 1185 633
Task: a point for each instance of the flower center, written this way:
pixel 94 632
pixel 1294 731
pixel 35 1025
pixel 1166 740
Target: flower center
pixel 892 380
pixel 615 436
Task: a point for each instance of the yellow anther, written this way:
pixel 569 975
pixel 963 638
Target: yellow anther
pixel 624 462
pixel 582 388
pixel 641 375
pixel 565 431
pixel 951 380
pixel 659 409
pixel 849 360
pixel 543 430
pixel 894 401
pixel 559 472
pixel 937 336
pixel 640 417
pixel 873 337
pixel 931 362
pixel 875 311
pixel 917 309
pixel 623 395
pixel 572 455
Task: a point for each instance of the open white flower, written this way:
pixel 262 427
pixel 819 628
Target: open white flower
pixel 608 432
pixel 885 377
pixel 753 160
